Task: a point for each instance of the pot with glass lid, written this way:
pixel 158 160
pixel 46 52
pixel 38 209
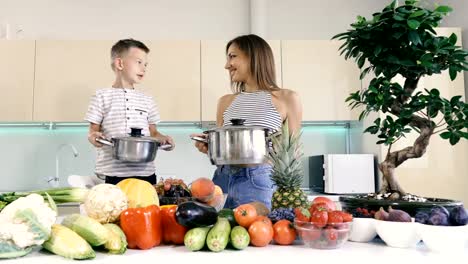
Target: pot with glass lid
pixel 237 144
pixel 135 147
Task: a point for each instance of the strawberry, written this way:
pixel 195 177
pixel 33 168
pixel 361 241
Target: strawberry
pixel 319 217
pixel 334 217
pixel 302 214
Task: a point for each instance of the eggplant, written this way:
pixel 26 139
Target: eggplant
pixel 194 214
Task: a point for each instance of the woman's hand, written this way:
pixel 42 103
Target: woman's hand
pixel 201 146
pixel 92 136
pixel 166 140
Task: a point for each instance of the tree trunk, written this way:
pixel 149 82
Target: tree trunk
pixel 396 158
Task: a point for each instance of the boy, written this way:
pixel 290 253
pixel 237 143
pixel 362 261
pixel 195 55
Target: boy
pixel 113 111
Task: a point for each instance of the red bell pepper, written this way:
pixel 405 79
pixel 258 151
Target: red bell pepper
pixel 142 226
pixel 173 232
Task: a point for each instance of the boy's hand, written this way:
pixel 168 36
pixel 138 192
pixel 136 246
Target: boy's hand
pixel 92 136
pixel 166 140
pixel 201 146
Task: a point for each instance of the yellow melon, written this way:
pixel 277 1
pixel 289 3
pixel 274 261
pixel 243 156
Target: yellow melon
pixel 139 193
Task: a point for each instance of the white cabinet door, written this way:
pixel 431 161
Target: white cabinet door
pixel 67 75
pixel 16 80
pixel 322 78
pixel 173 79
pixel 215 79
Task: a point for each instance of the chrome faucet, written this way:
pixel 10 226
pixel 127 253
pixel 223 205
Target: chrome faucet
pixel 54 182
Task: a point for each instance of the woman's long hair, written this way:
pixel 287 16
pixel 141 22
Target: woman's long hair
pixel 262 62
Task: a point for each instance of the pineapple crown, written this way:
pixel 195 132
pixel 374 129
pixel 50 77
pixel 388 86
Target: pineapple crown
pixel 286 158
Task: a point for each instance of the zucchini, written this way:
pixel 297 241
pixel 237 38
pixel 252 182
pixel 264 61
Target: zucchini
pixel 218 236
pixel 240 238
pixel 195 238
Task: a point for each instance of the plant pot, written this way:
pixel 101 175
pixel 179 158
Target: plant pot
pixel 351 203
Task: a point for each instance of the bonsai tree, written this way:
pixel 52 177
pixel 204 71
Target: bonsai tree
pixel 401 40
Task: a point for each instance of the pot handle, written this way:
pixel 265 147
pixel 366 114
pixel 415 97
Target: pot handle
pixel 271 134
pixel 199 139
pixel 165 146
pixel 105 142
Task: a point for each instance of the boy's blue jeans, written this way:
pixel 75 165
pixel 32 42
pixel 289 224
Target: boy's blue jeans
pixel 245 185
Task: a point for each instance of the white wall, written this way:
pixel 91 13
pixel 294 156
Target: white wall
pixel 141 19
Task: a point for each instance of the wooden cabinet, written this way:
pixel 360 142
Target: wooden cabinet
pixel 322 78
pixel 173 79
pixel 67 74
pixel 215 79
pixel 16 80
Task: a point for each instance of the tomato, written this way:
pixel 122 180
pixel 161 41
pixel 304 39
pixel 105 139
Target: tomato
pixel 284 232
pixel 265 219
pixel 321 199
pixel 261 233
pixel 245 214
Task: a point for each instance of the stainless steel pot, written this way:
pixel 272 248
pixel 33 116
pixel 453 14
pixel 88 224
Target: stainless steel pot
pixel 236 144
pixel 134 148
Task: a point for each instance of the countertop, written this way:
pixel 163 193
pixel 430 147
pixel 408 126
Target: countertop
pixel 375 252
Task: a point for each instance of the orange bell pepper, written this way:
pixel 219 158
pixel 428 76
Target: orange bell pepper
pixel 142 226
pixel 173 232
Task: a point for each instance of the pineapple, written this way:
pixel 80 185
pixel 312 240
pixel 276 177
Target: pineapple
pixel 287 174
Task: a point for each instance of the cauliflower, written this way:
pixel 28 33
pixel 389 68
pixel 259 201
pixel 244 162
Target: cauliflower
pixel 105 202
pixel 24 223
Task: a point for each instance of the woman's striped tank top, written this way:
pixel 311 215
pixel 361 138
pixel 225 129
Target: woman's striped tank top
pixel 256 108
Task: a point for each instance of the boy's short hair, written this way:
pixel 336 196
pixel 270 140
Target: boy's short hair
pixel 123 45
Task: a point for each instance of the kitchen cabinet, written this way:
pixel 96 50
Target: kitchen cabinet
pixel 16 80
pixel 322 78
pixel 215 79
pixel 173 79
pixel 68 72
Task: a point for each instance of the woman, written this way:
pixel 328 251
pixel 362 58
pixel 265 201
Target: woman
pixel 257 99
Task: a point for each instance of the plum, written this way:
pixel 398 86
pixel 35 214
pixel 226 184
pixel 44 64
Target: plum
pixel 438 218
pixel 458 216
pixel 440 209
pixel 421 217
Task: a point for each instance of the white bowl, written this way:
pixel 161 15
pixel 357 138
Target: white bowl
pixel 444 238
pixel 363 230
pixel 398 234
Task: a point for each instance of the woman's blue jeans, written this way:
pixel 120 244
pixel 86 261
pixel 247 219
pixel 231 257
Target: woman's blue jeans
pixel 245 185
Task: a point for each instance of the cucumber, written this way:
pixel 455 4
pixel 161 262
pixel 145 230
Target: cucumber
pixel 218 236
pixel 195 238
pixel 240 238
pixel 229 215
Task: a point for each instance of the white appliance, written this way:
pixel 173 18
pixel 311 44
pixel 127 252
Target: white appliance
pixel 342 173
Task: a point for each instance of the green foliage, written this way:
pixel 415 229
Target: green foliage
pixel 401 40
